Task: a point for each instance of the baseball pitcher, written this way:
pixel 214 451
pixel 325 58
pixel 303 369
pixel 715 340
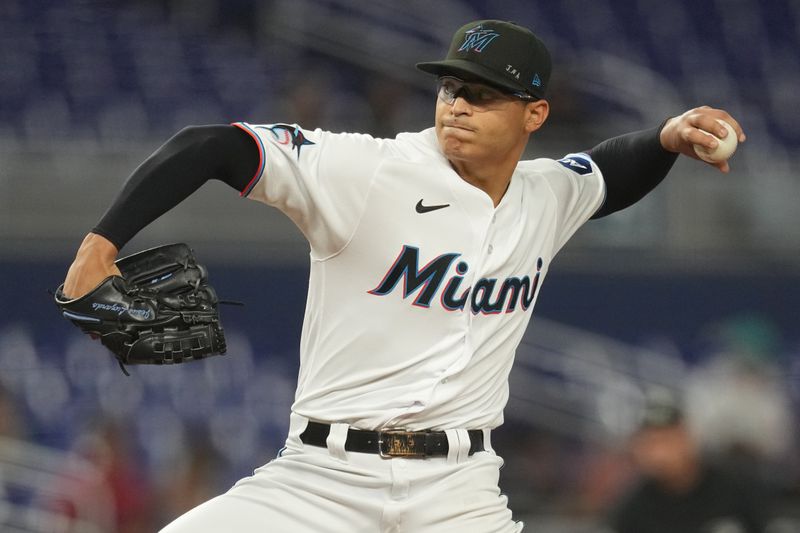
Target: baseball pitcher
pixel 428 252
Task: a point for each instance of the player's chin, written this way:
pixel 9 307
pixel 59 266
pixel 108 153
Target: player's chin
pixel 454 148
pixel 455 139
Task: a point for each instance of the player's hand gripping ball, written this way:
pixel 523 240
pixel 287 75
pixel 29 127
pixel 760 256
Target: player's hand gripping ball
pixel 725 147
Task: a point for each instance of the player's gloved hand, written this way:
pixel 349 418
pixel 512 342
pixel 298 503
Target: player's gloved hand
pixel 159 310
pixel 681 133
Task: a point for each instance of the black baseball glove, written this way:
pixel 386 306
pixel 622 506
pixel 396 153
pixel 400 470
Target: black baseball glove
pixel 161 311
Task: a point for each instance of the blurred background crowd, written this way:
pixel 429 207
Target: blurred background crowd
pixel 666 340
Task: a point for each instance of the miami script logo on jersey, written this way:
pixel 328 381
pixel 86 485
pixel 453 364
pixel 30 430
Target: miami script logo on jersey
pixel 289 135
pixel 486 297
pixel 477 39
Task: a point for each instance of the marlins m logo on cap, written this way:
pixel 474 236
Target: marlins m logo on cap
pixel 477 39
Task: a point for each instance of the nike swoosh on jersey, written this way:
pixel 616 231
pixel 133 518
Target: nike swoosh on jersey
pixel 428 208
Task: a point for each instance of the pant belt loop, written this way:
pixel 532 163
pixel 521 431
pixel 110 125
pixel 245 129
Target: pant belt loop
pixel 297 424
pixel 487 440
pixel 336 440
pixel 453 445
pixel 464 445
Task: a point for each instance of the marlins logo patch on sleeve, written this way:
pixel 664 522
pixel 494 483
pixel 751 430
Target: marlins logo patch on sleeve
pixel 578 164
pixel 289 136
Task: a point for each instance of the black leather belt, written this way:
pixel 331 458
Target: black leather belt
pixel 391 443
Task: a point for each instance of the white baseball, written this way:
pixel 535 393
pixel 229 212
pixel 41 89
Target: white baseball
pixel 724 149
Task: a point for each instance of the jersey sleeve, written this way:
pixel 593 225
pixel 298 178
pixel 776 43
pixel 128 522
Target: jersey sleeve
pixel 319 179
pixel 580 190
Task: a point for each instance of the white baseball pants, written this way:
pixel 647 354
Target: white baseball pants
pixel 320 490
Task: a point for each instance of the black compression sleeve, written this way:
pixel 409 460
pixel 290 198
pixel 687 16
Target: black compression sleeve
pixel 178 168
pixel 632 165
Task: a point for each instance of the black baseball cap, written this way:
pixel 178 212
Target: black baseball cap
pixel 503 54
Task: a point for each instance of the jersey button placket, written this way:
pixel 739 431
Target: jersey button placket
pixel 491 232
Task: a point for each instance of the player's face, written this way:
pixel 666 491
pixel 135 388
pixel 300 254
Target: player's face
pixel 476 123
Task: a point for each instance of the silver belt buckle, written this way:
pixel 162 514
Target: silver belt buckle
pixel 399 443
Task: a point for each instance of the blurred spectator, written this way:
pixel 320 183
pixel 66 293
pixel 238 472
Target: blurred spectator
pixel 678 489
pixel 119 500
pixel 10 427
pixel 604 472
pixel 537 481
pixel 738 402
pixel 10 422
pixel 194 480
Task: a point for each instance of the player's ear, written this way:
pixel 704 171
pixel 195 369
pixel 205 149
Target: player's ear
pixel 535 114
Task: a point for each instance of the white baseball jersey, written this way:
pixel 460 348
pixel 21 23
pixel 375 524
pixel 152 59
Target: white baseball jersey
pixel 420 288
